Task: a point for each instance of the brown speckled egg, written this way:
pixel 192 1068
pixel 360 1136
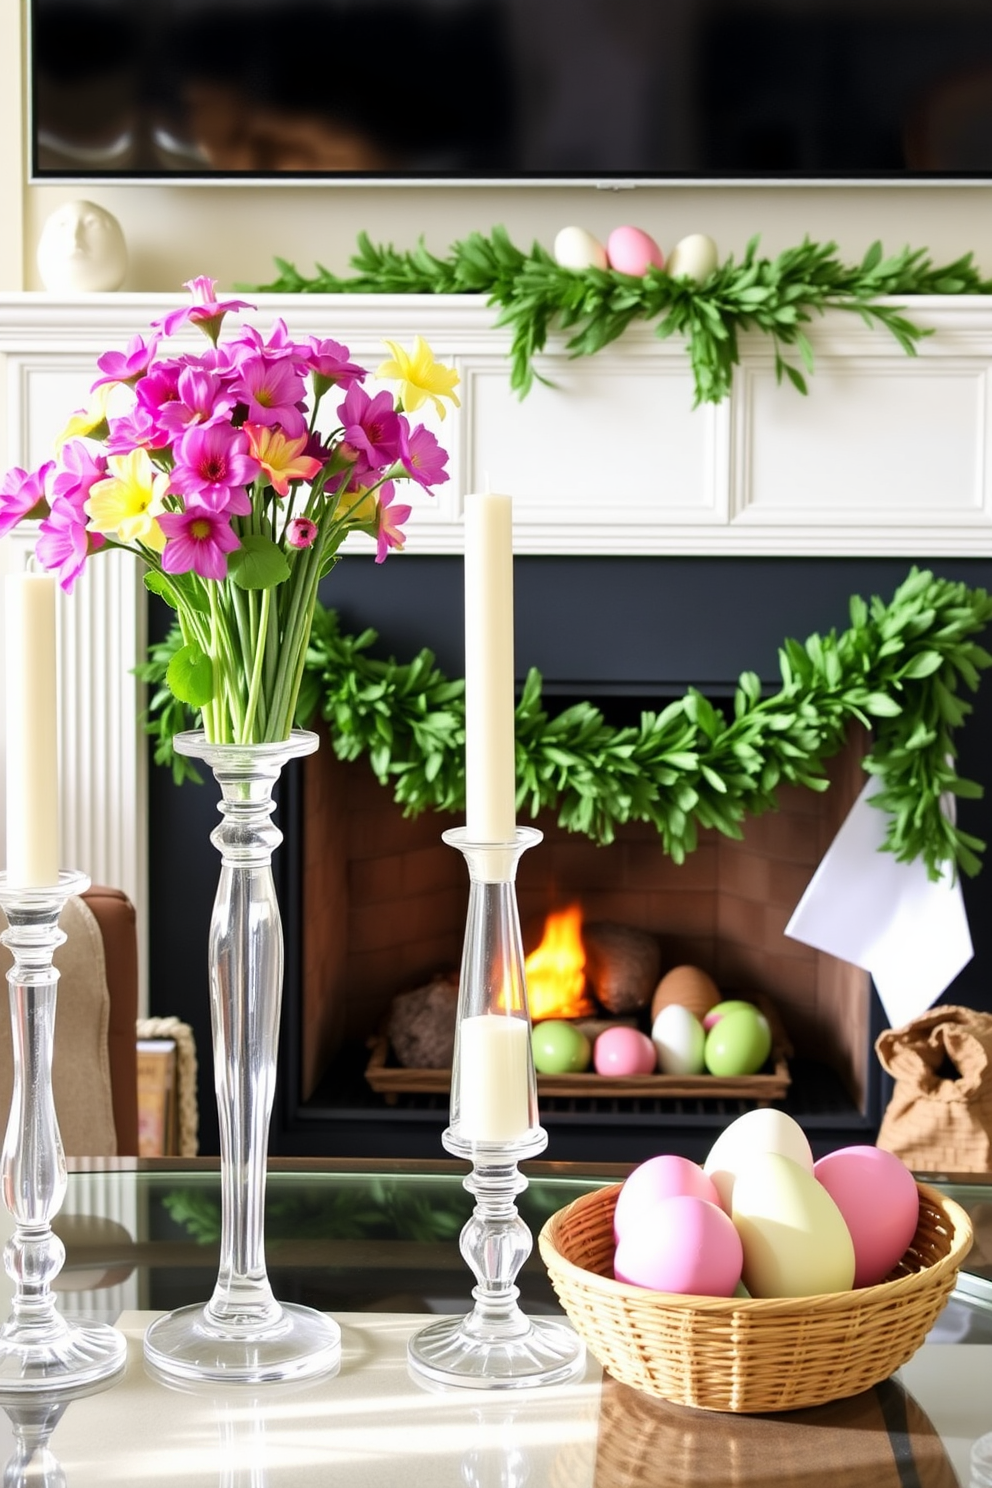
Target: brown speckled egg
pixel 690 987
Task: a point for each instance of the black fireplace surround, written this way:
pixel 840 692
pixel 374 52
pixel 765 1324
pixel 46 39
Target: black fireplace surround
pixel 625 632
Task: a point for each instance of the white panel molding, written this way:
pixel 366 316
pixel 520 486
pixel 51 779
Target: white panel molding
pixel 611 459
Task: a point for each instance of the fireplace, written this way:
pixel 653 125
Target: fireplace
pixel 382 900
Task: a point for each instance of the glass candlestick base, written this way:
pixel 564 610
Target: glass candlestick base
pixel 40 1350
pixel 495 1125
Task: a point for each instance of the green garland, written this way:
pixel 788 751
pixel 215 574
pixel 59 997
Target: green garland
pixel 898 669
pixel 776 296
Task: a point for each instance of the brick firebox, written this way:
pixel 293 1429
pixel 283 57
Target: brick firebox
pixel 385 902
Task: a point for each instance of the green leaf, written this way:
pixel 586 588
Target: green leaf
pixel 190 676
pixel 259 563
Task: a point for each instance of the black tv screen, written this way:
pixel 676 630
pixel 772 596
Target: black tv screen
pixel 511 90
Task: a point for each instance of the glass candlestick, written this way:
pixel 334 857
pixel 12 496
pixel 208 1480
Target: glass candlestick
pixel 40 1350
pixel 495 1125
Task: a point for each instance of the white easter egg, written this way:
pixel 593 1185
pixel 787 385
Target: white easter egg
pixel 756 1132
pixel 679 1040
pixel 795 1240
pixel 577 249
pixel 694 257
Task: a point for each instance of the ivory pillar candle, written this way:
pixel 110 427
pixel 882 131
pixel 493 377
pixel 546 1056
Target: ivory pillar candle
pixel 490 767
pixel 32 732
pixel 493 1085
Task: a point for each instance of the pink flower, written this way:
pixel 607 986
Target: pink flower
pixel 158 388
pixel 127 366
pixel 214 466
pixel 301 532
pixel 371 426
pixel 422 456
pixel 272 388
pixel 198 538
pixel 201 398
pixel 81 469
pixel 206 311
pixel 328 361
pixel 21 493
pixel 64 544
pixel 135 430
pixel 389 532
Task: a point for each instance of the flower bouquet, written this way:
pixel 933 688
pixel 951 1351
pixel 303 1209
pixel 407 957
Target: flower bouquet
pixel 213 469
pixel 222 474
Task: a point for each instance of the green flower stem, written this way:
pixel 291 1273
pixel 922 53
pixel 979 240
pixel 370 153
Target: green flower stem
pixel 258 661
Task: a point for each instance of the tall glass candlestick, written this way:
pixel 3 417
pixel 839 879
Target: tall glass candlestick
pixel 495 1125
pixel 40 1350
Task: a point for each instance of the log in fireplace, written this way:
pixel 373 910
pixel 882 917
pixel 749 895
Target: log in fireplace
pixel 372 901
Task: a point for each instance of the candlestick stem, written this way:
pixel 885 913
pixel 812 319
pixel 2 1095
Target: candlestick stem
pixel 495 1124
pixel 40 1350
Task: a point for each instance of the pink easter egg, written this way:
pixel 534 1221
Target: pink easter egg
pixel 623 1051
pixel 683 1244
pixel 663 1177
pixel 631 251
pixel 878 1198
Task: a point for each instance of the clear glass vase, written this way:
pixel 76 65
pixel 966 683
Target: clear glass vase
pixel 243 1334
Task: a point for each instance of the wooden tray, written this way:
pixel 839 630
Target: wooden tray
pixel 393 1080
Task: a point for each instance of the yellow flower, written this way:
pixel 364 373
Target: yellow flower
pixel 127 502
pixel 359 505
pixel 421 377
pixel 87 421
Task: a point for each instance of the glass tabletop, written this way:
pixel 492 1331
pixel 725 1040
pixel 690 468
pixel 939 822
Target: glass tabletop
pixel 339 1235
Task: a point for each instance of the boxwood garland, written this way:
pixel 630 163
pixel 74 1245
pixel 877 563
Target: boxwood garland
pixel 776 296
pixel 898 669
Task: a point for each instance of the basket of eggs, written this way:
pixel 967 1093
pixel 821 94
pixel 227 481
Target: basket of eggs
pixel 762 1280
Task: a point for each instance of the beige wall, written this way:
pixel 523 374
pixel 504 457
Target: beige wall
pixel 233 233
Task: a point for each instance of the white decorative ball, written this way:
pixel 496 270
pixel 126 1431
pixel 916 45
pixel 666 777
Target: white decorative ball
pixel 577 249
pixel 81 250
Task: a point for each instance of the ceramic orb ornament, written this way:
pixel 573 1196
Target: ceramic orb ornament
pixel 81 250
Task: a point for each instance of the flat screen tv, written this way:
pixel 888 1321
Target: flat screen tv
pixel 462 91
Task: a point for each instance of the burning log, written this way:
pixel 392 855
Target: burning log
pixel 623 965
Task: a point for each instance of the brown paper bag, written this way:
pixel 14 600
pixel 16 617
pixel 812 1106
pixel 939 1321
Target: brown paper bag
pixel 940 1114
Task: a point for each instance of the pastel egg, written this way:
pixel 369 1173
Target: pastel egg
pixel 664 1177
pixel 756 1132
pixel 623 1051
pixel 559 1047
pixel 690 987
pixel 679 1041
pixel 721 1009
pixel 738 1043
pixel 577 249
pixel 632 251
pixel 694 257
pixel 683 1244
pixel 880 1202
pixel 795 1240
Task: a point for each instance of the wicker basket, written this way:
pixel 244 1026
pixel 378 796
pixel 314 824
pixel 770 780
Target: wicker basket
pixel 756 1354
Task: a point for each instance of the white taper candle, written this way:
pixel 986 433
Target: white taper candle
pixel 32 732
pixel 490 768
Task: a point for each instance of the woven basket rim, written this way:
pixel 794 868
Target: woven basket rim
pixel 881 1292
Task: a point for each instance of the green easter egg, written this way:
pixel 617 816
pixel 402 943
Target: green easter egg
pixel 739 1043
pixel 559 1048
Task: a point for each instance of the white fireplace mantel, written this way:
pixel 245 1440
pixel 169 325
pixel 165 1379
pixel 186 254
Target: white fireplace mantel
pixel 886 456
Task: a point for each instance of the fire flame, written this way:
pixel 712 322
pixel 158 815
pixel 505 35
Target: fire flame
pixel 555 970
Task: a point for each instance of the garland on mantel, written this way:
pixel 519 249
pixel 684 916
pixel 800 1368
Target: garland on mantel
pixel 777 296
pixel 898 669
